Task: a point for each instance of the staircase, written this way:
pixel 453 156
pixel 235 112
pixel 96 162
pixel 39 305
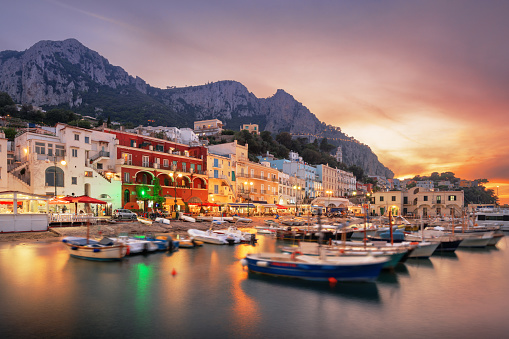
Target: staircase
pixel 100 173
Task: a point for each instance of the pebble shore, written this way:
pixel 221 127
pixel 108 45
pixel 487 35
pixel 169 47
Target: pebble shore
pixel 176 227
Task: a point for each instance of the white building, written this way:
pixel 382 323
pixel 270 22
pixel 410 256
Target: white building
pixel 76 161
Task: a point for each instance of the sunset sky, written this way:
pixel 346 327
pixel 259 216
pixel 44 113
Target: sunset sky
pixel 424 83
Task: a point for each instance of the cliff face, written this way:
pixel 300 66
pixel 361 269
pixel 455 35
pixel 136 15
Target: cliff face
pixel 56 72
pixel 53 73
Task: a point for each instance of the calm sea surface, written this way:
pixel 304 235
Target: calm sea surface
pixel 46 294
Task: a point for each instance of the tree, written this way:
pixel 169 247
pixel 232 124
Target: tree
pixel 10 133
pixel 285 139
pixel 158 199
pixel 5 99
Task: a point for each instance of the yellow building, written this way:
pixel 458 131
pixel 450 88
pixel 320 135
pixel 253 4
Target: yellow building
pixel 252 128
pixel 221 173
pixel 418 202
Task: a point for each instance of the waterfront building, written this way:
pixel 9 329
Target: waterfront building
pixel 328 177
pixel 418 202
pixel 222 181
pixel 255 182
pixel 179 168
pixel 4 183
pixel 71 161
pixel 208 127
pixel 347 183
pixel 285 189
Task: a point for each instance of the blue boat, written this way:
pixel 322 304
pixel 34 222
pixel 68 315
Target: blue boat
pixel 322 268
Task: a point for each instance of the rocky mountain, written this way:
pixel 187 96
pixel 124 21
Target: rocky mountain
pixel 68 74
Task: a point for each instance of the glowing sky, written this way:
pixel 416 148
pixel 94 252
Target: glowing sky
pixel 424 83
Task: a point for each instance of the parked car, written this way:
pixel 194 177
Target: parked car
pixel 124 214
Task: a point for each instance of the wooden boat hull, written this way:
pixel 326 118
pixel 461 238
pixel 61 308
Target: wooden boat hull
pixel 312 268
pixel 106 253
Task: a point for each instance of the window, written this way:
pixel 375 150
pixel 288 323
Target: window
pixel 40 148
pixel 174 165
pixel 87 140
pixel 425 198
pixel 216 189
pixel 133 143
pixel 127 178
pixel 89 174
pixel 50 150
pixel 160 148
pixel 74 152
pixel 74 180
pixel 59 150
pixel 405 200
pixel 76 137
pixel 99 166
pixel 252 173
pixel 128 158
pixel 261 175
pixel 199 168
pixel 393 198
pixel 145 161
pixel 184 167
pixel 439 199
pixel 381 199
pixel 452 198
pixel 216 174
pixel 216 163
pixel 166 163
pixel 54 177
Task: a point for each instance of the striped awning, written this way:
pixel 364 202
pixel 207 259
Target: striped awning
pixel 238 205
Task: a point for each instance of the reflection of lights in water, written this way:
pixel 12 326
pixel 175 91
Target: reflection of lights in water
pixel 246 312
pixel 142 275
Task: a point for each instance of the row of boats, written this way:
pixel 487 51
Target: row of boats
pixel 348 259
pixel 115 248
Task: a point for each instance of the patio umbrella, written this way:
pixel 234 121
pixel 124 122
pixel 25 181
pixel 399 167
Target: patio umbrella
pixel 83 199
pixel 281 207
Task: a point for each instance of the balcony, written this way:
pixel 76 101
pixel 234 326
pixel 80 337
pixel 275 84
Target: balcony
pixel 101 155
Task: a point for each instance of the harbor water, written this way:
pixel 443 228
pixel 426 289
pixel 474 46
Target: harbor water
pixel 205 293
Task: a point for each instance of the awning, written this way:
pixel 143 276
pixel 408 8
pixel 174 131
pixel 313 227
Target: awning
pixel 281 207
pixel 56 201
pixel 171 201
pixel 84 199
pixel 239 205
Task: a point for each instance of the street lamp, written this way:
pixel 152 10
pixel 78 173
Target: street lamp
pixel 175 186
pixel 63 163
pixel 329 193
pixel 248 196
pixel 297 189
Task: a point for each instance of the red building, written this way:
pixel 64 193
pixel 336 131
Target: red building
pixel 181 169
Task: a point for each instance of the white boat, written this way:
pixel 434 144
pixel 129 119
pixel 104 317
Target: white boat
pixel 136 246
pixel 103 250
pixel 493 217
pixel 162 221
pixel 186 218
pixel 239 219
pixel 234 233
pixel 208 236
pixel 145 221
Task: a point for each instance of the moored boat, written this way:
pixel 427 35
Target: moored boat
pixel 145 221
pixel 365 268
pixel 103 250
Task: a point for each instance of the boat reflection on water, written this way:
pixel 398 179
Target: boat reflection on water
pixel 365 291
pixel 446 255
pixel 426 263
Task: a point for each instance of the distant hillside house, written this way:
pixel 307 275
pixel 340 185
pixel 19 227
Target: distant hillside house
pixel 252 128
pixel 208 127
